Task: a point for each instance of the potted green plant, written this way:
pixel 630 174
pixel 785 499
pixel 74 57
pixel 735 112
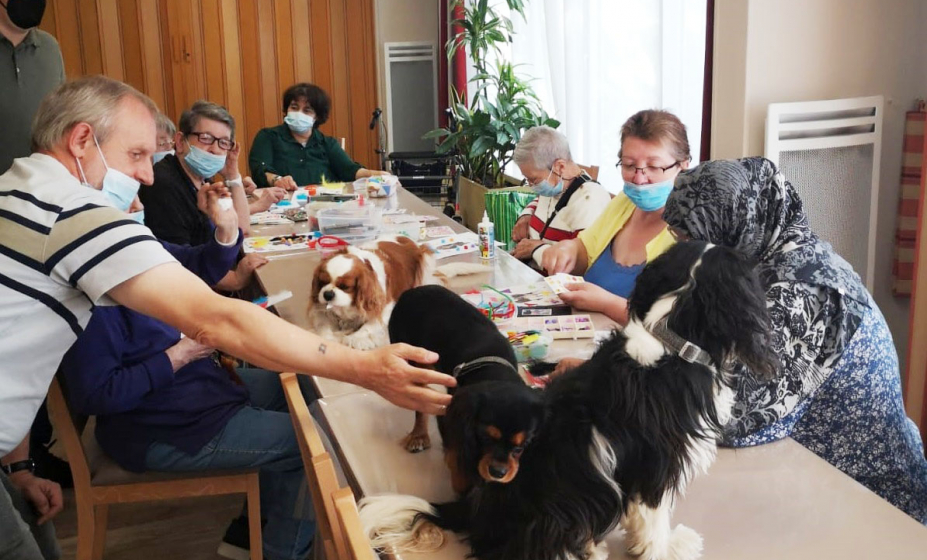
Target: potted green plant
pixel 484 130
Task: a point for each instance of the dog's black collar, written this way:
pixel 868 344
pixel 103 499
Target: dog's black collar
pixel 462 369
pixel 682 347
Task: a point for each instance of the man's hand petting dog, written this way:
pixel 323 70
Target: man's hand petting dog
pixel 403 384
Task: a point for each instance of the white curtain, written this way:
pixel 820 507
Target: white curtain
pixel 597 62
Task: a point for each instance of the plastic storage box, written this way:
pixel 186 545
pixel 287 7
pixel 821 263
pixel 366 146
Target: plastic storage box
pixel 352 222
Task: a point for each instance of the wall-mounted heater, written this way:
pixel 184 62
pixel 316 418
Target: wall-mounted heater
pixel 830 151
pixel 411 96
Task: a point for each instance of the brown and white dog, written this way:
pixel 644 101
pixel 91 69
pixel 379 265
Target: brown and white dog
pixel 354 290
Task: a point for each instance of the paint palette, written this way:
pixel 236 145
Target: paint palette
pixel 454 245
pixel 557 326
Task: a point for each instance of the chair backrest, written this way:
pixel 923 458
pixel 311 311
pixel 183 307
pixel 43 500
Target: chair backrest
pixel 356 542
pixel 69 429
pixel 320 469
pixel 591 170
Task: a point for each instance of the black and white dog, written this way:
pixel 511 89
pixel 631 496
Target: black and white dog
pixel 624 433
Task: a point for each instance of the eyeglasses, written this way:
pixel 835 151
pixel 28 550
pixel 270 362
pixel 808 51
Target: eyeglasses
pixel 529 183
pixel 167 144
pixel 208 139
pixel 649 170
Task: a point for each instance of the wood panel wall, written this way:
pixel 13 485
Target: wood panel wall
pixel 240 53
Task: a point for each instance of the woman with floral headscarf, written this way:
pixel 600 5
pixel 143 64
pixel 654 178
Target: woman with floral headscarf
pixel 839 390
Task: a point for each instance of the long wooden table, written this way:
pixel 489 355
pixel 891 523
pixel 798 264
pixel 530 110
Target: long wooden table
pixel 775 502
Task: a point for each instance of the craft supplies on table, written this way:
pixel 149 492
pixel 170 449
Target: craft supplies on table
pixel 438 231
pixel 270 301
pixel 529 345
pixel 492 303
pixel 270 219
pixel 557 327
pixel 354 222
pixel 459 244
pixel 378 186
pixel 271 244
pixel 559 281
pixel 537 300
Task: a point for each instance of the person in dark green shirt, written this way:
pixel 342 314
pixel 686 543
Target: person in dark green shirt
pixel 296 153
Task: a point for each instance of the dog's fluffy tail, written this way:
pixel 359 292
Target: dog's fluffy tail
pixel 399 523
pixel 447 271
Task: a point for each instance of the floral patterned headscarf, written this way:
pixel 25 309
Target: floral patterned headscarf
pixel 815 299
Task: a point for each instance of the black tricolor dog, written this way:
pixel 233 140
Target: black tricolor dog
pixel 493 415
pixel 625 432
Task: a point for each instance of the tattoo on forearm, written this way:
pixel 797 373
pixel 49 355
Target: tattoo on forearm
pixel 322 348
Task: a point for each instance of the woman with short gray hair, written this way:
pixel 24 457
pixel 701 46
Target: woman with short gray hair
pixel 568 201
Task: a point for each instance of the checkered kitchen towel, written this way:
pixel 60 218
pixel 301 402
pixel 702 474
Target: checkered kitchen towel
pixel 911 168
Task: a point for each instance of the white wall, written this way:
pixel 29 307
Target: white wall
pixel 769 51
pixel 400 21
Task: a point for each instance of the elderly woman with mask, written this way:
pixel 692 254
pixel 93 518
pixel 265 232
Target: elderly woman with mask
pixel 568 199
pixel 630 231
pixel 839 390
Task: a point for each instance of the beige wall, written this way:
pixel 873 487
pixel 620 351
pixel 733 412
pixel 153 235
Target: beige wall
pixel 770 51
pixel 404 20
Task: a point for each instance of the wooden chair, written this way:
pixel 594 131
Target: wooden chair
pixel 320 470
pixel 592 170
pixel 99 482
pixel 355 541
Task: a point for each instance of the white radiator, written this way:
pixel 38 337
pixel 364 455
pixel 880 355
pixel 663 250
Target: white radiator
pixel 830 151
pixel 411 95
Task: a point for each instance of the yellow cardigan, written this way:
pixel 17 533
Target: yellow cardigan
pixel 598 236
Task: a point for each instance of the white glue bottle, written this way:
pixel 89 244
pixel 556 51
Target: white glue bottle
pixel 487 233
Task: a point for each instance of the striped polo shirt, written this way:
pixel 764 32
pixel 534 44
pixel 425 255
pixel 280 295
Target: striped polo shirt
pixel 62 248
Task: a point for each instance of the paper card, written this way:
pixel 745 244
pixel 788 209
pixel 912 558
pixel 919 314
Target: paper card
pixel 439 231
pixel 558 282
pixel 454 245
pixel 558 326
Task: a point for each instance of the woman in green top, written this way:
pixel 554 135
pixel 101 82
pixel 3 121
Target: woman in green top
pixel 296 153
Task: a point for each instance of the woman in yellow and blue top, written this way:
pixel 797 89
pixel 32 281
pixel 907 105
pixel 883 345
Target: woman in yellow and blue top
pixel 296 153
pixel 631 231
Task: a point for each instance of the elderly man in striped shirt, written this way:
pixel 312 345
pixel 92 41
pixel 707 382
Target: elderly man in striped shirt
pixel 67 245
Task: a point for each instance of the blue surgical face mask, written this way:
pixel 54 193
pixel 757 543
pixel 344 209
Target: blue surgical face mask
pixel 204 163
pixel 649 197
pixel 138 216
pixel 158 156
pixel 118 187
pixel 544 188
pixel 299 122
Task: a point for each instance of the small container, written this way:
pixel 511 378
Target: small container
pixel 352 222
pixel 487 233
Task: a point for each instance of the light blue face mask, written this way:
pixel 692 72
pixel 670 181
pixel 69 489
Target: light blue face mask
pixel 649 197
pixel 158 156
pixel 544 188
pixel 299 122
pixel 118 187
pixel 138 216
pixel 204 163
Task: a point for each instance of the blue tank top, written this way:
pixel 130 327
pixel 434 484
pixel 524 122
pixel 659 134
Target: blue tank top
pixel 616 278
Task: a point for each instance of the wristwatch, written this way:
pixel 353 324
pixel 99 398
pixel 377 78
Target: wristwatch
pixel 27 465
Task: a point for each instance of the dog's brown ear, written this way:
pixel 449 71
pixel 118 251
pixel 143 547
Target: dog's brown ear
pixel 368 295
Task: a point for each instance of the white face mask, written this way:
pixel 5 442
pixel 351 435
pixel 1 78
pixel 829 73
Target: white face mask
pixel 299 122
pixel 118 187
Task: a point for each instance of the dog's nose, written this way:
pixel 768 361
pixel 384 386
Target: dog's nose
pixel 498 471
pixel 328 295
